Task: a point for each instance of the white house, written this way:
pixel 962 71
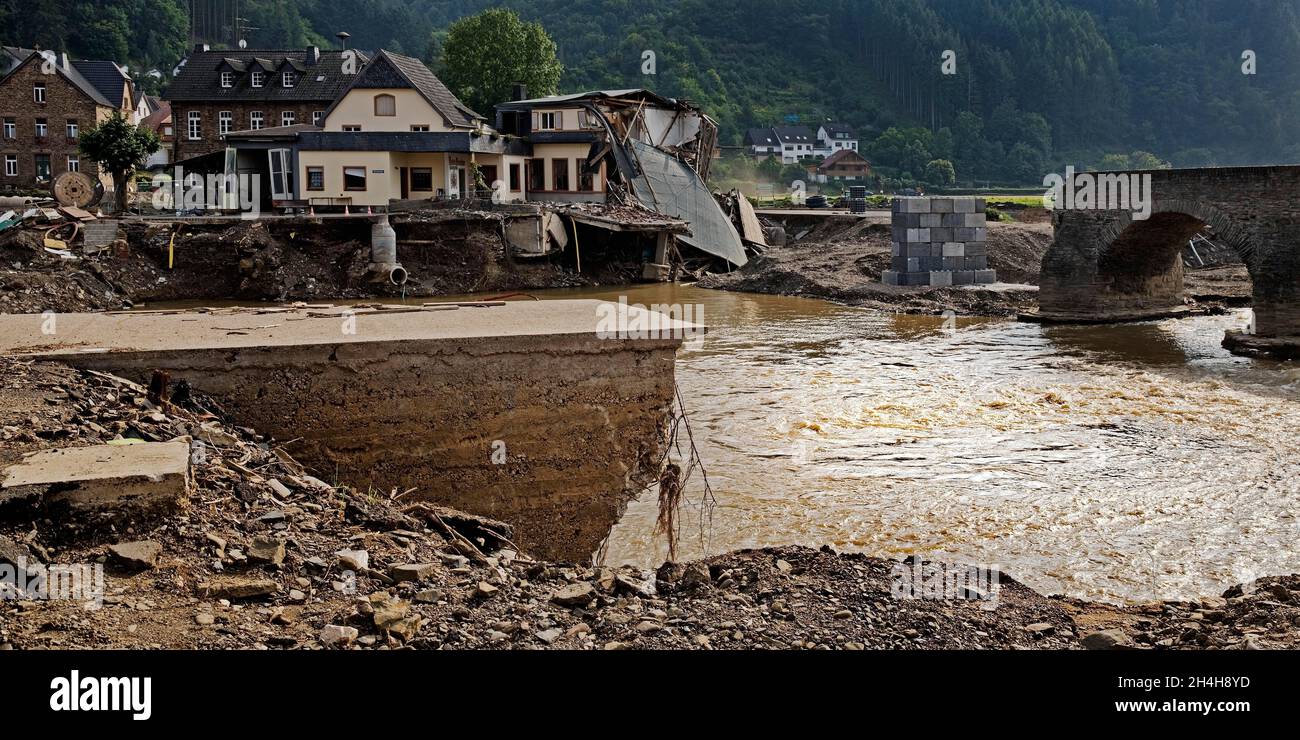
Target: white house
pixel 834 137
pixel 790 143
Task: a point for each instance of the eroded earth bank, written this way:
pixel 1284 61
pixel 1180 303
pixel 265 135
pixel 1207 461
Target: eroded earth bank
pixel 260 553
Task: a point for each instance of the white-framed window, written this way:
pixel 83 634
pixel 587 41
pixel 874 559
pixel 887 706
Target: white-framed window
pixel 225 121
pixel 287 79
pixel 385 105
pixel 548 121
pixel 317 116
pixel 194 125
pixel 256 120
pixel 257 79
pixel 420 127
pixel 352 128
pixel 38 92
pixel 74 164
pixel 42 128
pixel 227 79
pixel 11 165
pixel 11 129
pixel 72 129
pixel 287 118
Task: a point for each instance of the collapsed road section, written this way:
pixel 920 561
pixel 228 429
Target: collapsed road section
pixel 531 412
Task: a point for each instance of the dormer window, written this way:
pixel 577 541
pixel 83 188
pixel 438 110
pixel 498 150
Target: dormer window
pixel 385 105
pixel 287 79
pixel 258 79
pixel 227 79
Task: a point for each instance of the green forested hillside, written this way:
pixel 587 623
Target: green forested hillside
pixel 1039 82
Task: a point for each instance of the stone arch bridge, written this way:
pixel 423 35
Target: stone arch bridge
pixel 1106 265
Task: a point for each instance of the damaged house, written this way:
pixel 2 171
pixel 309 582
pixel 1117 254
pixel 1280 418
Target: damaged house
pixel 629 146
pixel 627 167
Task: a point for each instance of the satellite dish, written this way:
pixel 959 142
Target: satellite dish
pixel 243 43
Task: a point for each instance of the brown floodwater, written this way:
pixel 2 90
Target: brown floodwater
pixel 1120 463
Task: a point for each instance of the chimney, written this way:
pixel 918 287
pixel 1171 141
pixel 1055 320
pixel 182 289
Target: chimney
pixel 63 60
pixel 519 92
pixel 313 54
pixel 200 48
pixel 343 37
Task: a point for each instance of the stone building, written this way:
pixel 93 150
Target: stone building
pixel 216 92
pixel 45 104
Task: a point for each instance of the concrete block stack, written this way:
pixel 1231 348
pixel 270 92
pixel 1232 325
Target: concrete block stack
pixel 939 241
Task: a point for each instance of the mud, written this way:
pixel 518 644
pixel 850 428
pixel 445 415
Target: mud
pixel 842 259
pixel 268 261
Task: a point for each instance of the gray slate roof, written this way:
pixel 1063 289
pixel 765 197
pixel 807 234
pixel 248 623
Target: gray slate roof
pixel 106 77
pixel 200 77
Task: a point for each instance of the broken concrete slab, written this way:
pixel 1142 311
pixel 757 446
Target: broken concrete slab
pixel 459 404
pixel 152 477
pixel 140 555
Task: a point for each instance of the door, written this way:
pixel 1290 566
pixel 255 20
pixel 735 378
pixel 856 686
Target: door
pixel 456 183
pixel 281 183
pixel 403 177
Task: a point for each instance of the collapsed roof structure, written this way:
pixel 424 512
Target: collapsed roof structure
pixel 661 149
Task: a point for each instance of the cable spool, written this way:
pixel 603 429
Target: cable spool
pixel 77 190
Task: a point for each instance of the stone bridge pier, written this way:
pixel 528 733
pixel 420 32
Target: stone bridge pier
pixel 1107 265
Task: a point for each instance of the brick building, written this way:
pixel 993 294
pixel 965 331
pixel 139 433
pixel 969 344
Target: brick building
pixel 45 104
pixel 217 92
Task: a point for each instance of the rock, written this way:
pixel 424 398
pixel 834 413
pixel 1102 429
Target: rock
pixel 337 635
pixel 696 576
pixel 617 646
pixel 285 615
pixel 357 560
pixel 239 587
pixel 297 596
pixel 574 594
pixel 140 555
pixel 406 628
pixel 844 614
pixel 15 553
pixel 485 590
pixel 279 488
pixel 1040 629
pixel 388 610
pixel 581 628
pixel 205 619
pixel 783 566
pixel 549 636
pixel 413 571
pixel 647 627
pixel 428 596
pixel 1111 639
pixel 628 585
pixel 268 550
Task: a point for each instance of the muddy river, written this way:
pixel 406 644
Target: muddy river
pixel 1115 463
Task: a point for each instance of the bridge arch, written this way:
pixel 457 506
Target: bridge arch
pixel 1105 265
